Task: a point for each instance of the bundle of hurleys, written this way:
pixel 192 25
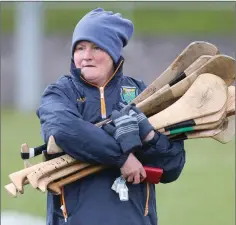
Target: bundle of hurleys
pixel 193 98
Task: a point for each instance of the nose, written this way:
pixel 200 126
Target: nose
pixel 88 54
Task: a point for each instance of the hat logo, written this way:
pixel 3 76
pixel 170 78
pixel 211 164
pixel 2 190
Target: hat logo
pixel 128 94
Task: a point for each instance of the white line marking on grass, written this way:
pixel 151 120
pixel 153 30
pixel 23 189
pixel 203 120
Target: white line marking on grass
pixel 19 218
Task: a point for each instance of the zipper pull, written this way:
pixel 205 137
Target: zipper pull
pixel 64 213
pixel 101 92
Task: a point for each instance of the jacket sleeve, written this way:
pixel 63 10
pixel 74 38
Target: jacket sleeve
pixel 80 139
pixel 165 154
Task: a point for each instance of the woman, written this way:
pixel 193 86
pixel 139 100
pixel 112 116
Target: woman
pixel 95 90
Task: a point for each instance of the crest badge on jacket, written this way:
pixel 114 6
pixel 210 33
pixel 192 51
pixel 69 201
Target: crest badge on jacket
pixel 128 94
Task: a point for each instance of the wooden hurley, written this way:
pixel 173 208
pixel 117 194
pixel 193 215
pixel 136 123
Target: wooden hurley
pixel 62 161
pixel 20 179
pixel 231 101
pixel 17 178
pixel 206 96
pixel 54 170
pixel 43 182
pixel 191 53
pixel 228 133
pixel 52 147
pixel 53 166
pixel 223 134
pixel 11 189
pixel 197 134
pixel 206 126
pixel 202 133
pixel 55 187
pixel 227 110
pixel 206 122
pixel 149 107
pixel 220 65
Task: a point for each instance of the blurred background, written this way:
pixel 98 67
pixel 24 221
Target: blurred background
pixel 35 51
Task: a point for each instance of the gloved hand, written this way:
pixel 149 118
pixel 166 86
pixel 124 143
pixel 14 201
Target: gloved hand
pixel 124 128
pixel 144 126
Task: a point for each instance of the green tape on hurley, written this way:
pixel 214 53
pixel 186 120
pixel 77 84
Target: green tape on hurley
pixel 181 130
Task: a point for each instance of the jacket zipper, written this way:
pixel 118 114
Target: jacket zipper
pixel 63 205
pixel 102 93
pixel 104 114
pixel 147 199
pixel 103 105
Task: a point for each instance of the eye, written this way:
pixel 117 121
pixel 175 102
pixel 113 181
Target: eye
pixel 79 48
pixel 96 47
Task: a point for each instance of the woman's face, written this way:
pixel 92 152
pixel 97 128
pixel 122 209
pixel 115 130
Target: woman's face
pixel 96 65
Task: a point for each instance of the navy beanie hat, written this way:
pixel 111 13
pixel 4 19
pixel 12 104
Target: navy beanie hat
pixel 107 30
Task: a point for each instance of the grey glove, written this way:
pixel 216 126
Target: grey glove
pixel 144 126
pixel 124 128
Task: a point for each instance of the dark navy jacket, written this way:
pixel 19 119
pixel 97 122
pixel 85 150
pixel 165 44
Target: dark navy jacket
pixel 68 110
